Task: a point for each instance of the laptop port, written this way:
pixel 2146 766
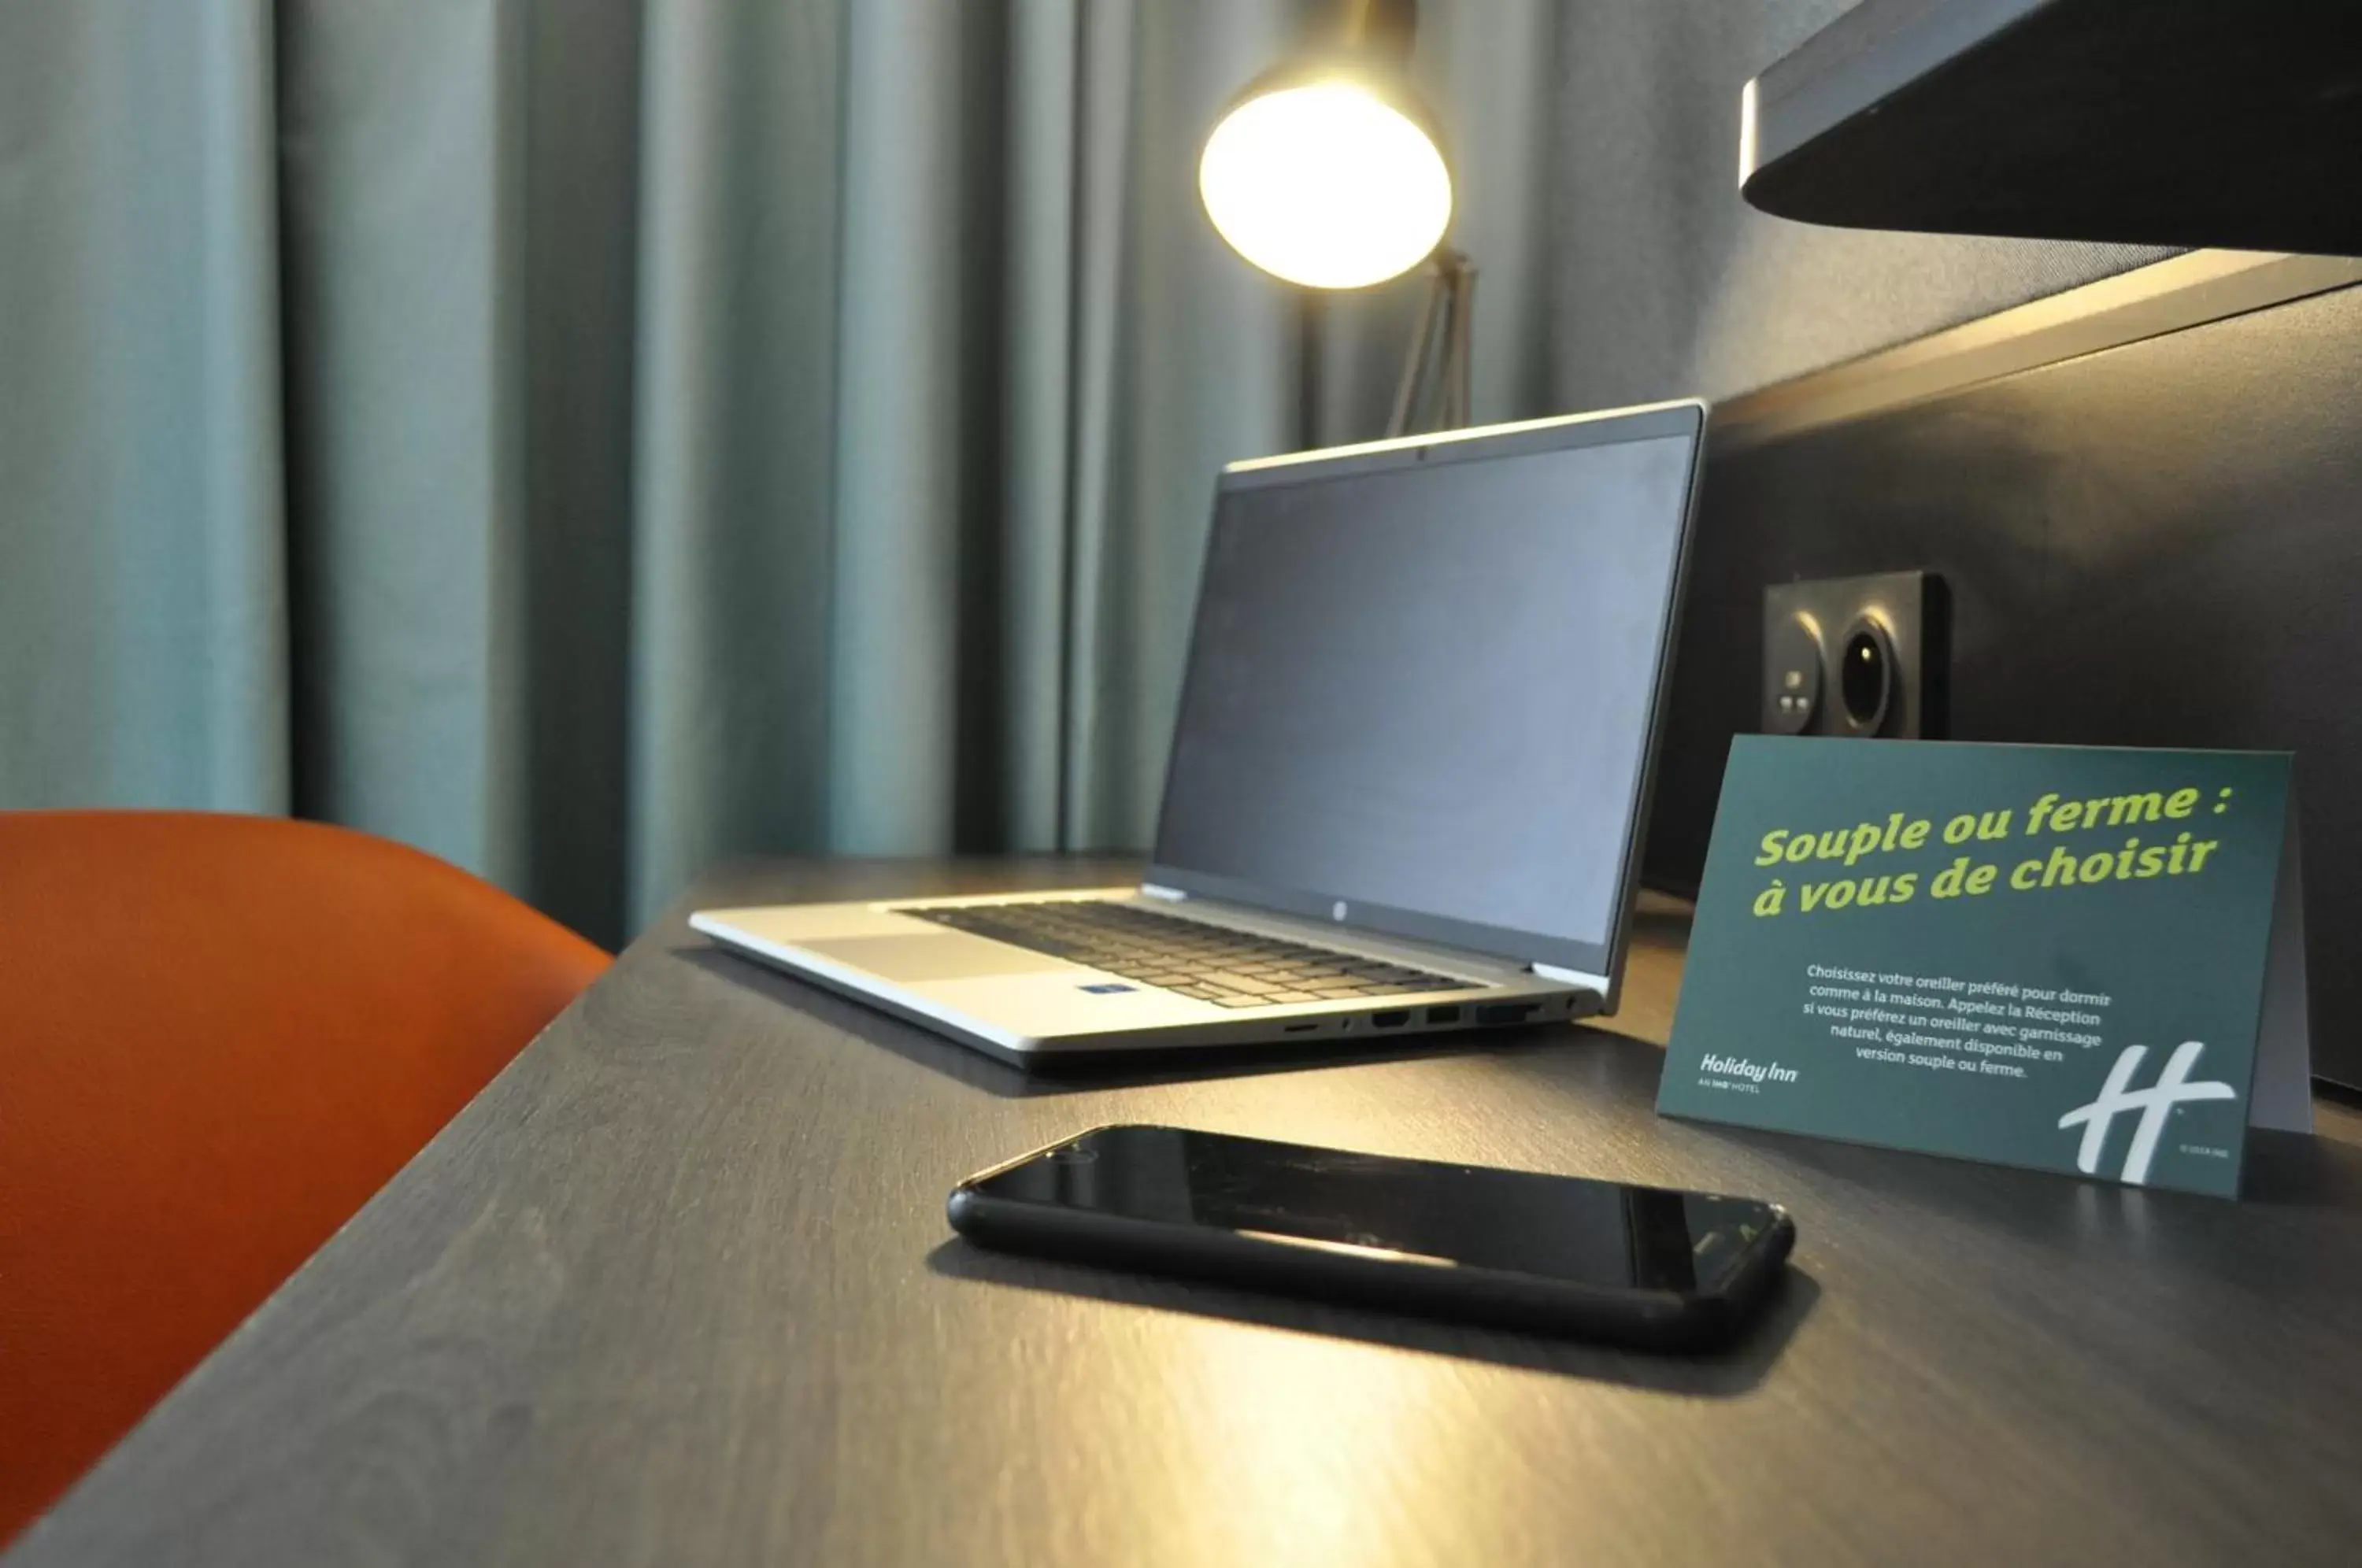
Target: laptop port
pixel 1444 1015
pixel 1394 1019
pixel 1302 1028
pixel 1507 1011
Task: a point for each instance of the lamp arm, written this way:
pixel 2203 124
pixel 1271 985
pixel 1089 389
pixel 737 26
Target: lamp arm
pixel 1433 305
pixel 1384 27
pixel 1449 309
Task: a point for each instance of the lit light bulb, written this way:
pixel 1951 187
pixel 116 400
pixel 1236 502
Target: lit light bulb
pixel 1326 184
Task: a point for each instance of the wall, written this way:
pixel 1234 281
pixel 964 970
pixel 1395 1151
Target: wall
pixel 2156 545
pixel 1666 284
pixel 2153 544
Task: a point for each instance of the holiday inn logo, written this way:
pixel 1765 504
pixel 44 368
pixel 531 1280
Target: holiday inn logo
pixel 2155 1103
pixel 1753 1072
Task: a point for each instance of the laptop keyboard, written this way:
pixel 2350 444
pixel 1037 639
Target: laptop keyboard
pixel 1231 969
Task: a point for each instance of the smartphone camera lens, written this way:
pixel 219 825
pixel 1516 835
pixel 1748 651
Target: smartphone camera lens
pixel 1865 677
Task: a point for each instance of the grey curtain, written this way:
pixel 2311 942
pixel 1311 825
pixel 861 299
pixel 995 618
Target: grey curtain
pixel 588 437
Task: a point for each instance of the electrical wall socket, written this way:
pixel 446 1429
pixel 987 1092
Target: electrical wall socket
pixel 1856 656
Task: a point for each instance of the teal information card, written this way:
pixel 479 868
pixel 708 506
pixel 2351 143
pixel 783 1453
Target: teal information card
pixel 2079 959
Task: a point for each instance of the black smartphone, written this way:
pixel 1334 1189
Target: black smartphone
pixel 1564 1254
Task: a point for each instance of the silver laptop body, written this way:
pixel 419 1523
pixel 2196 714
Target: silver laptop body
pixel 1408 779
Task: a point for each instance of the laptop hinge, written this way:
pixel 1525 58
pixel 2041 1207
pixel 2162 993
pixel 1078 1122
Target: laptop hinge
pixel 1170 895
pixel 1572 977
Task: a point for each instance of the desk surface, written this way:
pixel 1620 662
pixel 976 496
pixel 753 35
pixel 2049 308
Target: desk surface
pixel 677 1288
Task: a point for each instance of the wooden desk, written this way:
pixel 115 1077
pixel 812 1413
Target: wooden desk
pixel 677 1288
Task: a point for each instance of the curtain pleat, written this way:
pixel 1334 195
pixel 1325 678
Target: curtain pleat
pixel 589 438
pixel 733 532
pixel 914 497
pixel 399 133
pixel 143 631
pixel 1040 338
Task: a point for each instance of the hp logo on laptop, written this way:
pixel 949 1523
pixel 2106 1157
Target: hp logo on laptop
pixel 1337 910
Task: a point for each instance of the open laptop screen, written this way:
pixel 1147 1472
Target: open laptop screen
pixel 1423 683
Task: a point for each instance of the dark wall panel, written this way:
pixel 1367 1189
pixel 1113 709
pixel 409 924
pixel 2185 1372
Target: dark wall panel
pixel 2159 544
pixel 1666 284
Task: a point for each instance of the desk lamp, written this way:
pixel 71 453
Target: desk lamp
pixel 1326 171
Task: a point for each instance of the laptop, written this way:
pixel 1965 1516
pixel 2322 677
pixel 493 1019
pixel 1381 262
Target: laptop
pixel 1409 777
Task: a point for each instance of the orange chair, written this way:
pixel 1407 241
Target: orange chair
pixel 218 1036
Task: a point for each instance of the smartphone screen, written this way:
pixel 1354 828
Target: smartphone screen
pixel 1602 1235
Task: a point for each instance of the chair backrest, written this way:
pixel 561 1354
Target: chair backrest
pixel 218 1036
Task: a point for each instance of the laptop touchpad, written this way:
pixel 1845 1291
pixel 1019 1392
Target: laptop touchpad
pixel 931 955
